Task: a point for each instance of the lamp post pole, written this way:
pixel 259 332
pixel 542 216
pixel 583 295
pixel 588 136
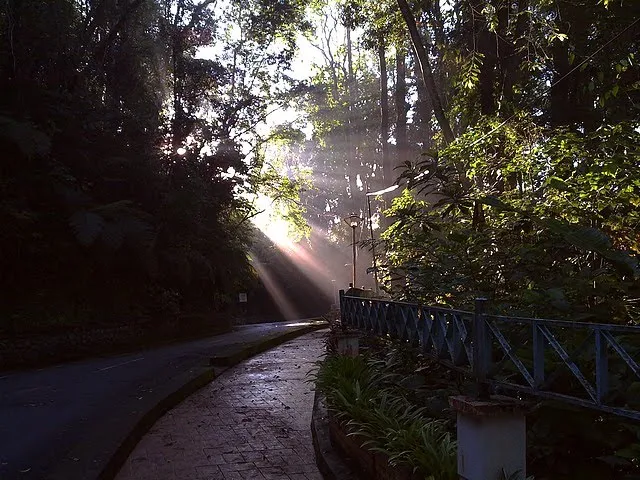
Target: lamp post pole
pixel 353 220
pixel 353 244
pixel 369 194
pixel 373 245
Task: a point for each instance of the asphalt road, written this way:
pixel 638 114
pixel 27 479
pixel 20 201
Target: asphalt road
pixel 46 413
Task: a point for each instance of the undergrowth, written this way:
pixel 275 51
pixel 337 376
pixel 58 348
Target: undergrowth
pixel 365 395
pixel 397 399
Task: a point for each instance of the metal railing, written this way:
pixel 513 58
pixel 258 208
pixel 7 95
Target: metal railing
pixel 589 364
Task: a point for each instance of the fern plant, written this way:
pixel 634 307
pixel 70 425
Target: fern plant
pixel 365 396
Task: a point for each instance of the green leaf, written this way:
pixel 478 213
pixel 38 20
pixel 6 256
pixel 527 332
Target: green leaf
pixel 587 238
pixel 495 202
pixel 593 240
pixel 558 184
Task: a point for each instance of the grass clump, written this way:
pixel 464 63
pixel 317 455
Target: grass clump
pixel 366 397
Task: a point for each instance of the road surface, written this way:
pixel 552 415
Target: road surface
pixel 45 413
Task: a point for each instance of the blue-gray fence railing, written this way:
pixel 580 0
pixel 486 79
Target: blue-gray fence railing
pixel 589 364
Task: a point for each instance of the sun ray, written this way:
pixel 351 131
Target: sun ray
pixel 275 290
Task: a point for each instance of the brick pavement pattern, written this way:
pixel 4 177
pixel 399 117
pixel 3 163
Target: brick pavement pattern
pixel 252 422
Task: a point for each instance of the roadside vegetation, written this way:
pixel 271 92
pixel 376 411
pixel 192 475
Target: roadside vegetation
pixel 364 396
pixel 513 130
pixel 396 401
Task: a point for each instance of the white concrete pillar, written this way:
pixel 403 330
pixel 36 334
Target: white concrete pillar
pixel 491 437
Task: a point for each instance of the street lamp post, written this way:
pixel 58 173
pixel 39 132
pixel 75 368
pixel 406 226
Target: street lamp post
pixel 353 220
pixel 369 194
pixel 373 245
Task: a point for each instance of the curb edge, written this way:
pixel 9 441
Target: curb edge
pixel 260 347
pixel 328 460
pixel 193 384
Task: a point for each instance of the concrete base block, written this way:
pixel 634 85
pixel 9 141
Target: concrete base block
pixel 348 344
pixel 491 437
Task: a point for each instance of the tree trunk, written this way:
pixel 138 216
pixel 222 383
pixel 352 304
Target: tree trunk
pixel 351 160
pixel 483 41
pixel 423 111
pixel 102 47
pixel 387 170
pixel 561 110
pixel 177 131
pixel 426 71
pixel 513 56
pixel 402 144
pixel 437 24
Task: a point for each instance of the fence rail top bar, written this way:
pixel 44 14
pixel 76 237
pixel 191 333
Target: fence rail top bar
pixel 511 318
pixel 568 323
pixel 410 304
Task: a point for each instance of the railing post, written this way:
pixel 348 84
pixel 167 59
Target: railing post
pixel 481 348
pixel 538 356
pixel 602 366
pixel 491 431
pixel 343 315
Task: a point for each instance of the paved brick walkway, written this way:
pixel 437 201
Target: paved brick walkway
pixel 253 422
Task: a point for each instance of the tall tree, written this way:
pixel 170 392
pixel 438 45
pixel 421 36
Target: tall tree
pixel 402 141
pixel 426 71
pixel 387 166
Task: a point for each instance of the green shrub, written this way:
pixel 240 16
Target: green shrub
pixel 366 397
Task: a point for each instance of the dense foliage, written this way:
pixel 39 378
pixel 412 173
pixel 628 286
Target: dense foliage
pixel 526 189
pixel 534 203
pixel 562 241
pixel 124 131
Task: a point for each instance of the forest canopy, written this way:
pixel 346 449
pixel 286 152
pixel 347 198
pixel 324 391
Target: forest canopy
pixel 126 183
pixel 513 128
